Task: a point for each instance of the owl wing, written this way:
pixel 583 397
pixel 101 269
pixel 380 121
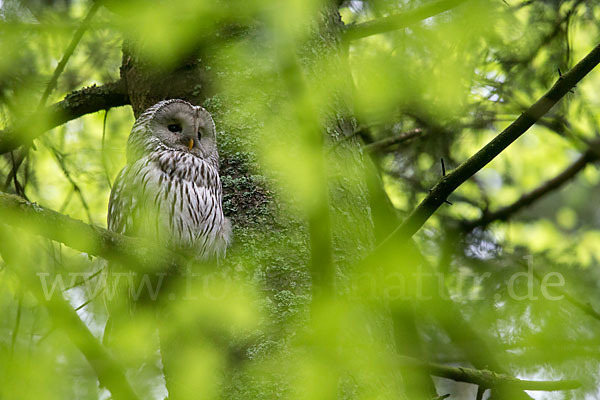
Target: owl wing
pixel 135 200
pixel 122 204
pixel 126 202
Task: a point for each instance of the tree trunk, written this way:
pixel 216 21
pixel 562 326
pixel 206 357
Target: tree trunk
pixel 271 235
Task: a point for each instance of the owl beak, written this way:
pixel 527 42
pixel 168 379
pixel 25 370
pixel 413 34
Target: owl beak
pixel 191 144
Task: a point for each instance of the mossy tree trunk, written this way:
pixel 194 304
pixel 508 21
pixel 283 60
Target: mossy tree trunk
pixel 271 236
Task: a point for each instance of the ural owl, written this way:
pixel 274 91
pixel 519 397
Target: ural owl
pixel 170 190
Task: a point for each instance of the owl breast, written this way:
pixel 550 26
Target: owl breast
pixel 175 198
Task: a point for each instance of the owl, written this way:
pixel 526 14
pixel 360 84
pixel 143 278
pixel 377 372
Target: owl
pixel 170 191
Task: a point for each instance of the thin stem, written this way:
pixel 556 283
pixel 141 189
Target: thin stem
pixel 104 161
pixel 59 157
pixel 529 198
pixel 384 144
pixel 68 53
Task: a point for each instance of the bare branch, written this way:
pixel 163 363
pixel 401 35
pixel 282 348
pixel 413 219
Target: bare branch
pixel 70 49
pixel 527 199
pixel 74 105
pixel 390 141
pixel 438 195
pixel 584 307
pixel 488 379
pixel 398 21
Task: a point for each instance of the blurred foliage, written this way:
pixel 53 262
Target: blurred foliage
pixel 285 86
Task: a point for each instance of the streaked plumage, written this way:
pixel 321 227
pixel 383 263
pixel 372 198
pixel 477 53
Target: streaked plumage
pixel 170 192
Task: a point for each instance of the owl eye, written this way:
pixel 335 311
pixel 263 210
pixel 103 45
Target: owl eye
pixel 199 134
pixel 174 128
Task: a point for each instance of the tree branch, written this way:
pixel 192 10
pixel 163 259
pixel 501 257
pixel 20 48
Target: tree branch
pixel 51 86
pixel 527 199
pixel 398 21
pixel 445 311
pixel 90 239
pixel 68 53
pixel 109 372
pixel 488 379
pixel 74 105
pixel 390 141
pixel 60 160
pixel 586 308
pixel 438 195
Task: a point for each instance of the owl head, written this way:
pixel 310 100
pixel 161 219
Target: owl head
pixel 176 124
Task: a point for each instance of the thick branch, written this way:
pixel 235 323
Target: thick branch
pixel 90 239
pixel 74 105
pixel 398 21
pixel 527 199
pixel 488 379
pixel 437 196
